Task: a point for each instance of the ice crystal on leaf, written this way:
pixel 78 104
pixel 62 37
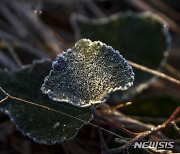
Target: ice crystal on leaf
pixel 87 73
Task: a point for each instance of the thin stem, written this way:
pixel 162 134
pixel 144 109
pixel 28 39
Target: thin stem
pixel 119 127
pixel 8 96
pixel 121 105
pixel 144 6
pixel 144 134
pixel 13 54
pixel 172 70
pixel 4 92
pixel 94 8
pixel 103 144
pixel 4 99
pixel 172 117
pixel 175 127
pixel 7 62
pixel 151 71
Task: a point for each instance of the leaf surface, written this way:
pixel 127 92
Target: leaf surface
pixel 87 73
pixel 42 125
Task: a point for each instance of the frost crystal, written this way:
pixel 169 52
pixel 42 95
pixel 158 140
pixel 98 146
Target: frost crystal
pixel 87 73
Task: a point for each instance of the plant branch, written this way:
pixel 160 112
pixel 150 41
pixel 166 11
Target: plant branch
pixel 175 127
pixel 96 118
pixel 172 117
pixel 4 92
pixel 172 70
pixel 151 71
pixel 4 99
pixel 119 127
pixel 144 134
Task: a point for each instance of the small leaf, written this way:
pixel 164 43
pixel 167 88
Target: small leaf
pixel 43 125
pixel 87 73
pixel 140 37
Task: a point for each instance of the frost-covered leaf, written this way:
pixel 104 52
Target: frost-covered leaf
pixel 141 38
pixel 44 126
pixel 87 73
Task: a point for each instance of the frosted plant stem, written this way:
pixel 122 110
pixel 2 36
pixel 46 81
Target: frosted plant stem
pixel 103 144
pixel 151 71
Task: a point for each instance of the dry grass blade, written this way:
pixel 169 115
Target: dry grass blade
pixel 12 53
pixel 165 8
pixel 7 62
pixel 172 70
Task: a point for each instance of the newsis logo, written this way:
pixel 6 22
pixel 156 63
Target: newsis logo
pixel 154 144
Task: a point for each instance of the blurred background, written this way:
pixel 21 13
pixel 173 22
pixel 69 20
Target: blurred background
pixel 36 29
